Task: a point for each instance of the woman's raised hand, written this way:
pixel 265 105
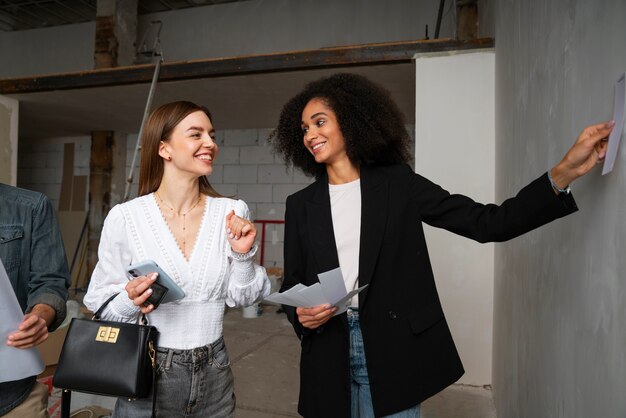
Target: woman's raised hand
pixel 588 150
pixel 240 233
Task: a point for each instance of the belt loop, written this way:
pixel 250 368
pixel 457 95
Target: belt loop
pixel 210 353
pixel 168 359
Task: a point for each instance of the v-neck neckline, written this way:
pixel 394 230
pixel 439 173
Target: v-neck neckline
pixel 172 237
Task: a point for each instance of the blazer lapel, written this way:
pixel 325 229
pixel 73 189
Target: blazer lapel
pixel 320 226
pixel 374 198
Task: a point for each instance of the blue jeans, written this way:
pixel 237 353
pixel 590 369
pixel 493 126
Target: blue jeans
pixel 361 397
pixel 194 383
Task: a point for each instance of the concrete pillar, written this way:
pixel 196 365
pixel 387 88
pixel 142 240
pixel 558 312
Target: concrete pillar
pixel 116 33
pixel 8 140
pixel 100 174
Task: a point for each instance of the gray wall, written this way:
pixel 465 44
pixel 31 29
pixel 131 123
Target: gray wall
pixel 233 29
pixel 559 325
pixel 48 50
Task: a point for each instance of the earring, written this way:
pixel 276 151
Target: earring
pixel 169 158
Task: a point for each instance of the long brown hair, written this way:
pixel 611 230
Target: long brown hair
pixel 159 127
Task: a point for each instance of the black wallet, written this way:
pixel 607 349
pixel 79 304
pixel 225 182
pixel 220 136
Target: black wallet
pixel 158 293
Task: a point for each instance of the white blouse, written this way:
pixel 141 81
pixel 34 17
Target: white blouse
pixel 135 231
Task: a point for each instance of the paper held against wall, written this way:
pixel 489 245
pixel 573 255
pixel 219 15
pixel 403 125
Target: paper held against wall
pixel 15 363
pixel 616 133
pixel 331 289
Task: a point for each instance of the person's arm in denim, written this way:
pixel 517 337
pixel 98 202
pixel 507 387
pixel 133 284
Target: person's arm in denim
pixel 48 280
pixel 49 275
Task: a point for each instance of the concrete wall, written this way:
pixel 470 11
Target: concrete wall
pixel 233 29
pixel 49 50
pixel 9 109
pixel 559 296
pixel 455 148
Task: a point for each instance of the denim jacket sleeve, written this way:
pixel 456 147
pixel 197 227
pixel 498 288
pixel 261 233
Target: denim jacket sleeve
pixel 32 252
pixel 49 276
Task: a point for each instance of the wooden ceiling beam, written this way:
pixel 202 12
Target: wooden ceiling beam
pixel 359 55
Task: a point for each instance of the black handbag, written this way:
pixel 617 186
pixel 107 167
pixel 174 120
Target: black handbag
pixel 107 358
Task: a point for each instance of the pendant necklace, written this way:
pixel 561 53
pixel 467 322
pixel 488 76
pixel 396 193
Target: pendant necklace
pixel 184 215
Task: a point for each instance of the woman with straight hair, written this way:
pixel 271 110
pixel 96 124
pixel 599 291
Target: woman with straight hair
pixel 203 241
pixel 392 349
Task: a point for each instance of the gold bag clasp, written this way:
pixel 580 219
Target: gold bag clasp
pixel 108 334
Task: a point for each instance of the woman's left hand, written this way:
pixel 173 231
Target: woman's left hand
pixel 240 233
pixel 589 150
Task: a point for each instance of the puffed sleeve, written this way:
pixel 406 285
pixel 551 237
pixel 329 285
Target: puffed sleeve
pixel 247 281
pixel 109 275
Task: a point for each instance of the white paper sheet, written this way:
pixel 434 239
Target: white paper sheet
pixel 330 290
pixel 15 363
pixel 616 133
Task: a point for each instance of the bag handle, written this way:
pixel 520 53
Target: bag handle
pixel 66 397
pixel 96 316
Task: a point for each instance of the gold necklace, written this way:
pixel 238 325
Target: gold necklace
pixel 184 215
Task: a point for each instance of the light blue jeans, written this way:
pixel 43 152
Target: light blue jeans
pixel 194 383
pixel 361 397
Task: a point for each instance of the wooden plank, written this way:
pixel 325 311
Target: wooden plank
pixel 79 193
pixel 359 55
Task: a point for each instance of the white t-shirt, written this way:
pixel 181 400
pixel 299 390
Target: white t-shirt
pixel 345 207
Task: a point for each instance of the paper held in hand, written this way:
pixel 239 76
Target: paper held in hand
pixel 15 363
pixel 616 134
pixel 331 289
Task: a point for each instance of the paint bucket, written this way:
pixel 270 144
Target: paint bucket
pixel 252 311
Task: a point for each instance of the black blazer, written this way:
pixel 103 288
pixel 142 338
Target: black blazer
pixel 409 349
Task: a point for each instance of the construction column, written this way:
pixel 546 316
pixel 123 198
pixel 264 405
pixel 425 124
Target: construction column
pixel 466 19
pixel 116 33
pixel 8 140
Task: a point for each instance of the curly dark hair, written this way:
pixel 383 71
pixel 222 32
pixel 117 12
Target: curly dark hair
pixel 371 123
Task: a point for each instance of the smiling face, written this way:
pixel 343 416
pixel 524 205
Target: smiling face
pixel 322 133
pixel 191 147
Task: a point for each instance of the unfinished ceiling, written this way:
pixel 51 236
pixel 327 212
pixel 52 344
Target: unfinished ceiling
pixel 236 102
pixel 32 14
pixel 242 92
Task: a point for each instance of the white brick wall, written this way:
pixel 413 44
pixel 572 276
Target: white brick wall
pixel 274 173
pixel 245 168
pixel 239 174
pixel 40 164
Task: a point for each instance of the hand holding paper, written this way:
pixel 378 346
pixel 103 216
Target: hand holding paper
pixel 330 290
pixel 15 363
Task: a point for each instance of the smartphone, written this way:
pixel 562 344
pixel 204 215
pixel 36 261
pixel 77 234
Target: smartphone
pixel 143 268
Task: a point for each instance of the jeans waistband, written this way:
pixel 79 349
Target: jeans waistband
pixel 194 354
pixel 353 317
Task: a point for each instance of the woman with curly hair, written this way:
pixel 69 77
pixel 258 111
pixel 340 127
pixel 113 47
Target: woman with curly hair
pixel 392 349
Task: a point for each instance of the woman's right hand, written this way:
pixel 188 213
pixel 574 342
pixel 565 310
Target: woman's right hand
pixel 589 149
pixel 138 290
pixel 314 317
